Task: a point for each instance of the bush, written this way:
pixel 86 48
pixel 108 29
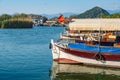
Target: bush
pixel 17 24
pixel 0 24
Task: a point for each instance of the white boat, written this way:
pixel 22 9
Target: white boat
pixel 95 54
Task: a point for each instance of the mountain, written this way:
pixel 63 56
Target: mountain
pixel 67 14
pixel 49 15
pixel 114 11
pixel 93 13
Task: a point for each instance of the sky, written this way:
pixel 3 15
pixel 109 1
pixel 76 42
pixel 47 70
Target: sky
pixel 54 6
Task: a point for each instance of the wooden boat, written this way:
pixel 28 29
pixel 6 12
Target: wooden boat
pixel 80 72
pixel 90 54
pixel 87 30
pixel 85 54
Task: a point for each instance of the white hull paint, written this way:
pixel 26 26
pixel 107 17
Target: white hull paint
pixel 58 54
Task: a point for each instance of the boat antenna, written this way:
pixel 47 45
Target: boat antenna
pixel 99 39
pixel 99 36
pixel 99 55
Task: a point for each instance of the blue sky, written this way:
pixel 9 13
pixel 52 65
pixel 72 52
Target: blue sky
pixel 54 6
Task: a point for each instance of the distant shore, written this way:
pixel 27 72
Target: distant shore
pixel 16 24
pixel 16 21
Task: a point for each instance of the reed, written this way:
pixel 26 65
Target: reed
pixel 16 24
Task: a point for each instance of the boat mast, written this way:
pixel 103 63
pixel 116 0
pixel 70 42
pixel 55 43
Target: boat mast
pixel 99 39
pixel 99 36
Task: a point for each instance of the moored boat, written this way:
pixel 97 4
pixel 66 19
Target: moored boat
pixel 77 53
pixel 88 30
pixel 94 54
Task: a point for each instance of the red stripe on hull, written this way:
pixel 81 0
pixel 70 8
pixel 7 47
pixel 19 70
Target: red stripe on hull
pixel 89 54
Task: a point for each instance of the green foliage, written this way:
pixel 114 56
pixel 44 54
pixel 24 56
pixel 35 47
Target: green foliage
pixel 5 17
pixel 17 24
pixel 16 21
pixel 0 24
pixel 44 19
pixel 17 16
pixel 116 15
pixel 73 16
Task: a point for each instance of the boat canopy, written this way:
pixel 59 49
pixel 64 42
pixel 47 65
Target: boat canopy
pixel 95 24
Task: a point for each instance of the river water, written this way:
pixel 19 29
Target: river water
pixel 25 55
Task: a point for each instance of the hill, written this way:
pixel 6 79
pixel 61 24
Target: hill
pixel 93 13
pixel 114 11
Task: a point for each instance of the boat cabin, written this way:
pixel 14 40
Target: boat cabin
pixel 94 31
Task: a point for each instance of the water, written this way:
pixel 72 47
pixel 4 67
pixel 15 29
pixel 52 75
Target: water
pixel 82 72
pixel 25 55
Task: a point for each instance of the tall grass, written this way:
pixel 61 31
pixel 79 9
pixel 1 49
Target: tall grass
pixel 16 24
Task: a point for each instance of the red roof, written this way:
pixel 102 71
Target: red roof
pixel 61 18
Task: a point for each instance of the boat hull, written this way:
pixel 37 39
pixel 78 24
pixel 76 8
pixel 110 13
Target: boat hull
pixel 62 54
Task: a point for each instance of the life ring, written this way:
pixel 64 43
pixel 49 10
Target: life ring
pixel 99 57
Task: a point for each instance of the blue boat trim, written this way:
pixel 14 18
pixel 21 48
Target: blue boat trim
pixel 83 46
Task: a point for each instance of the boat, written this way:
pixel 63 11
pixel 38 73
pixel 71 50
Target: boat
pixel 87 30
pixel 79 72
pixel 91 52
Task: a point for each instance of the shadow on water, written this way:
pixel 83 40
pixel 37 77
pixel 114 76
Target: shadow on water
pixel 81 72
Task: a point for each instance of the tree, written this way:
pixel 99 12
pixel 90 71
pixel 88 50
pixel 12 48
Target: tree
pixel 44 19
pixel 102 15
pixel 15 16
pixel 23 15
pixel 73 16
pixel 5 17
pixel 116 15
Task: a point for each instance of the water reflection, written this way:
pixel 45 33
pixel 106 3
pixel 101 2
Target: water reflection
pixel 81 72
